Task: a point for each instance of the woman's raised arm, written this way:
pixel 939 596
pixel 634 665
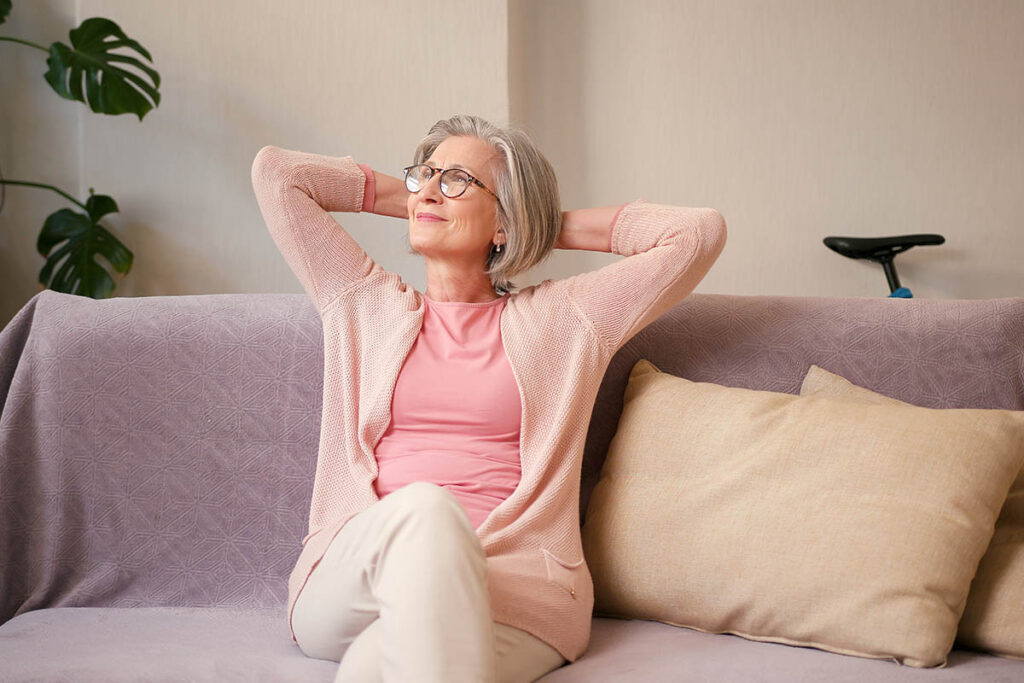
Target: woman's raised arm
pixel 295 192
pixel 668 250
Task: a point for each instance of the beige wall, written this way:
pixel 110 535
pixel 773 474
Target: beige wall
pixel 329 76
pixel 39 142
pixel 796 119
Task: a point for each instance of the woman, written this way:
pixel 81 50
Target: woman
pixel 444 540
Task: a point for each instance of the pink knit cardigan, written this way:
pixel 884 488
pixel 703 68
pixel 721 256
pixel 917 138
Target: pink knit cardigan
pixel 559 336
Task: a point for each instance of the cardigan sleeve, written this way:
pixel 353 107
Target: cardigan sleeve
pixel 295 192
pixel 668 250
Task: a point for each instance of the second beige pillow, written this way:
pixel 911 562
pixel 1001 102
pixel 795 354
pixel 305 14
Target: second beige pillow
pixel 993 619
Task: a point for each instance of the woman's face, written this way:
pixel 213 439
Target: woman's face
pixel 460 229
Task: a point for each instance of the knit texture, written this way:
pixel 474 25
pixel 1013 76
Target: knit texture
pixel 558 335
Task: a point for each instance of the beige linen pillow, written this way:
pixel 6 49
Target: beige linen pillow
pixel 849 527
pixel 993 619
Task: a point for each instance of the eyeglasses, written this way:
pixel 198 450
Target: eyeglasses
pixel 454 181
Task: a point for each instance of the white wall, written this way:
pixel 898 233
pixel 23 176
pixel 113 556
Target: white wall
pixel 796 119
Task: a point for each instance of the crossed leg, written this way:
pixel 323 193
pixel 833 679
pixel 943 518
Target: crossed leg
pixel 520 657
pixel 401 595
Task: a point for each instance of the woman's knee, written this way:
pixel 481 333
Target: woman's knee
pixel 428 526
pixel 315 642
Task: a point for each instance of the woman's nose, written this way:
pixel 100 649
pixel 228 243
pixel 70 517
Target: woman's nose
pixel 432 189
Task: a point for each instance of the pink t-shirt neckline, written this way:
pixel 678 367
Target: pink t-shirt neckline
pixel 467 303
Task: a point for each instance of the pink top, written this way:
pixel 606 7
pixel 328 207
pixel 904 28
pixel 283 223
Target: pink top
pixel 455 412
pixel 559 337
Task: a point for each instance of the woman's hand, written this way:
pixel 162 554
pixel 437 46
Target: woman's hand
pixel 390 196
pixel 589 229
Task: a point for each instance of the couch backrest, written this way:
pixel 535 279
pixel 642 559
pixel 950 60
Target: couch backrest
pixel 161 450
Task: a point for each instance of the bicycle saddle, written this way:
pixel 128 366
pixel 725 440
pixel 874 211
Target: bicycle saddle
pixel 879 248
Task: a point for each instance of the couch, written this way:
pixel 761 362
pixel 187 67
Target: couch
pixel 157 458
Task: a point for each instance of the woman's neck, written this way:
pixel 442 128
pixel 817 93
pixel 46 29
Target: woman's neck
pixel 446 285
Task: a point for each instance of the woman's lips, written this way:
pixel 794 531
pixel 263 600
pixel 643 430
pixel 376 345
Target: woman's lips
pixel 428 218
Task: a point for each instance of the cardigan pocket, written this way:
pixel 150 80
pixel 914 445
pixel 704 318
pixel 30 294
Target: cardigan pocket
pixel 562 572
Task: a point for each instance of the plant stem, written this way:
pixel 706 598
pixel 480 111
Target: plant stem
pixel 25 42
pixel 45 187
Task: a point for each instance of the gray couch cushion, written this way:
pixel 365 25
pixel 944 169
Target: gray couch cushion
pixel 109 645
pixel 635 650
pixel 93 645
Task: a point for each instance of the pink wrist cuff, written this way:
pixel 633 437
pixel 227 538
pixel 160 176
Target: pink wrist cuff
pixel 369 190
pixel 611 233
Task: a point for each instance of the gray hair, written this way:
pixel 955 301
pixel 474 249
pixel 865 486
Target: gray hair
pixel 529 208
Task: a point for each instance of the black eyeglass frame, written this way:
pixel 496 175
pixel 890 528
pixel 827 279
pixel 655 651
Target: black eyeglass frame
pixel 442 171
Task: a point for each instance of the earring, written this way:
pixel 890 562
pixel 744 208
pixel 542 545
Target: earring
pixel 497 249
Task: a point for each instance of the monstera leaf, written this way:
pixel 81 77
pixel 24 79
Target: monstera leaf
pixel 83 238
pixel 109 89
pixel 5 9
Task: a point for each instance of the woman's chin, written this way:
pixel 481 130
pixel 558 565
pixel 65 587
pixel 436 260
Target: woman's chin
pixel 424 238
pixel 422 247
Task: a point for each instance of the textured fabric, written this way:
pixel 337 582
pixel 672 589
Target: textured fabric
pixel 155 451
pixel 160 451
pixel 993 619
pixel 401 595
pixel 151 446
pixel 369 188
pixel 558 336
pixel 455 413
pixel 847 526
pixel 930 352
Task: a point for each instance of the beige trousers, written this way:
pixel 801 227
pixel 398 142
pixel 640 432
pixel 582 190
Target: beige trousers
pixel 401 595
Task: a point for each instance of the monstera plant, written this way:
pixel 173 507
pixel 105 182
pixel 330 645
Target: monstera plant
pixel 89 71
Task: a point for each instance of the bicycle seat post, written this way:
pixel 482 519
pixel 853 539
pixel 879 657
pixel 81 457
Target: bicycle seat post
pixel 890 272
